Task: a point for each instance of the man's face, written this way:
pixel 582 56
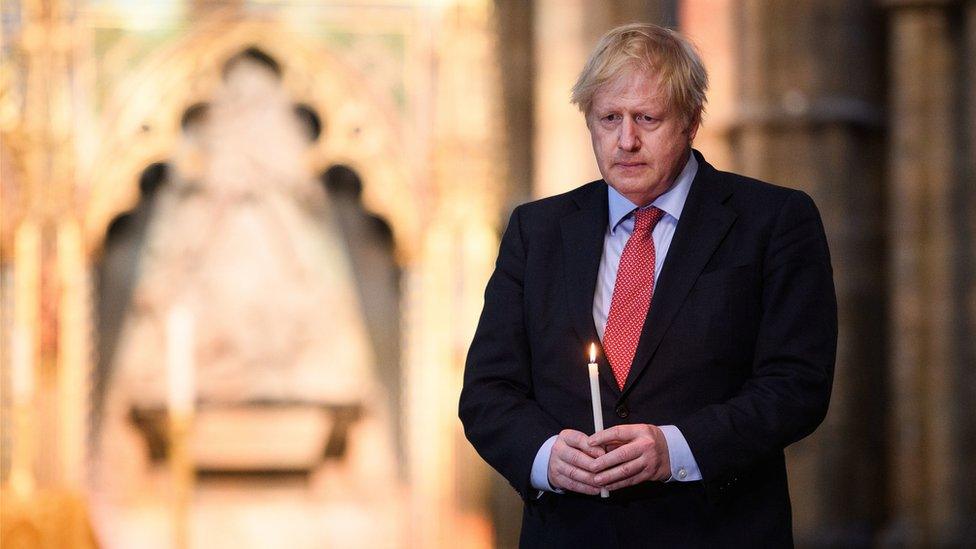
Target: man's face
pixel 640 145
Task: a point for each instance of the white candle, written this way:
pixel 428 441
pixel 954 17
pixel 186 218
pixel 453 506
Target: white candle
pixel 22 371
pixel 595 398
pixel 179 360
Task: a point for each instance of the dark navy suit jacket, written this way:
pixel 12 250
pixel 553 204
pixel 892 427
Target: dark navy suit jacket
pixel 737 351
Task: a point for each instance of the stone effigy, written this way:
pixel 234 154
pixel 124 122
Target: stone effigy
pixel 243 236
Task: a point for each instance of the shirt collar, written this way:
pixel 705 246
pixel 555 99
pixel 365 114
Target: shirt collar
pixel 672 201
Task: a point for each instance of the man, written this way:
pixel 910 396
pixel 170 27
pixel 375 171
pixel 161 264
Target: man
pixel 713 299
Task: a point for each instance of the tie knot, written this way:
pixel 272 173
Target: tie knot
pixel 645 220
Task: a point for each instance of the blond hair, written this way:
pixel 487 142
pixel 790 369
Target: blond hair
pixel 642 46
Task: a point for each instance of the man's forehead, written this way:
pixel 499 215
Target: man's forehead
pixel 630 86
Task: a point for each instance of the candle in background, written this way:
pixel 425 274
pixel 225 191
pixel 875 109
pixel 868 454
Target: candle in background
pixel 22 367
pixel 597 402
pixel 21 478
pixel 179 360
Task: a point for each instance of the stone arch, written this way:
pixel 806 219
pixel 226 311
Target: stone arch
pixel 143 119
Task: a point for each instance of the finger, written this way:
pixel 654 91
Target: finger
pixel 592 451
pixel 604 437
pixel 580 441
pixel 618 434
pixel 576 486
pixel 568 477
pixel 580 460
pixel 579 475
pixel 572 456
pixel 621 472
pixel 573 438
pixel 629 481
pixel 622 454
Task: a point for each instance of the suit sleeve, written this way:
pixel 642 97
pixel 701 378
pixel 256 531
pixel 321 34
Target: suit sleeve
pixel 500 416
pixel 787 395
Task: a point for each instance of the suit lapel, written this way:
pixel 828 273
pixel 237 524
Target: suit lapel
pixel 583 234
pixel 704 223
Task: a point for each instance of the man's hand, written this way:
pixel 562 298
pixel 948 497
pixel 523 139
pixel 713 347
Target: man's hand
pixel 571 463
pixel 639 453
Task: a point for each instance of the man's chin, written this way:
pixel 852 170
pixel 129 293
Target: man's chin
pixel 629 185
pixel 630 172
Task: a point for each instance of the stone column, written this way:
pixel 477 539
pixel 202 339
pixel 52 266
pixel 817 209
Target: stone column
pixel 966 278
pixel 515 23
pixel 931 264
pixel 46 129
pixel 808 116
pixel 563 157
pixel 710 26
pixel 74 355
pixel 444 285
pixel 565 33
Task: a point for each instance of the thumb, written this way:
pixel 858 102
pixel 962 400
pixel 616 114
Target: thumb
pixel 592 451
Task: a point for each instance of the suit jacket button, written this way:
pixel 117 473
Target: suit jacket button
pixel 622 411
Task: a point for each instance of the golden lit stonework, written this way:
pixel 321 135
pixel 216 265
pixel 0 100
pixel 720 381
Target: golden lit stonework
pixel 317 187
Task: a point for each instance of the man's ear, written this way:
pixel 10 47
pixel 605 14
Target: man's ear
pixel 693 126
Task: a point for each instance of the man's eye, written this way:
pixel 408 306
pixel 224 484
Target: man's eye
pixel 612 117
pixel 645 118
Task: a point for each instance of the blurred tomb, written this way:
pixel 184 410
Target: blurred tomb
pixel 237 230
pixel 245 237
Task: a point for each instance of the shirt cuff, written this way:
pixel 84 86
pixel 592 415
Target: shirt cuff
pixel 540 467
pixel 684 468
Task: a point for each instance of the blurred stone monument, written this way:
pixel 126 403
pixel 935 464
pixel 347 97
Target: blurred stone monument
pixel 243 235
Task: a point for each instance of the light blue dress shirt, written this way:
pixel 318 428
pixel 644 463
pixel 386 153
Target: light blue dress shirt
pixel 684 468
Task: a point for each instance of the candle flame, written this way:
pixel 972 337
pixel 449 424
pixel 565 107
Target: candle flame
pixel 592 352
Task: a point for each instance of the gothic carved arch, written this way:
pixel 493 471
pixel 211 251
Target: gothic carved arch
pixel 142 122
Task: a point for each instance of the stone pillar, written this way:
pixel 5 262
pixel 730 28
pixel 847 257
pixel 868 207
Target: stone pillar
pixel 931 284
pixel 444 285
pixel 46 130
pixel 808 116
pixel 565 33
pixel 515 23
pixel 709 24
pixel 74 355
pixel 515 27
pixel 563 156
pixel 966 277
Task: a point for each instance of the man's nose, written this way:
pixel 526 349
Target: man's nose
pixel 629 141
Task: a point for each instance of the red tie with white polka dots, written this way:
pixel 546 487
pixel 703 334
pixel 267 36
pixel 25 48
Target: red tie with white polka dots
pixel 631 295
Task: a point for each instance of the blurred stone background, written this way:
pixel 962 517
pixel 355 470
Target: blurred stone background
pixel 350 188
